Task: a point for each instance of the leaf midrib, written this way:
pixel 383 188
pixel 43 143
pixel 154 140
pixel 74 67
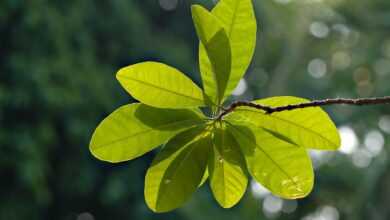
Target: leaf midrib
pixel 148 130
pixel 289 122
pixel 161 88
pixel 267 155
pixel 229 34
pixel 232 24
pixel 222 167
pixel 213 70
pixel 175 171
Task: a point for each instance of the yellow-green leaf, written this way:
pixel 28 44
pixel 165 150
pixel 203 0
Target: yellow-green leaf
pixel 177 170
pixel 227 167
pixel 132 130
pixel 306 127
pixel 283 168
pixel 160 85
pixel 215 44
pixel 239 21
pixel 204 178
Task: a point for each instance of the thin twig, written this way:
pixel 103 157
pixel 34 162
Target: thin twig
pixel 316 103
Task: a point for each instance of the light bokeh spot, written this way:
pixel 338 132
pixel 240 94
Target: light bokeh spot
pixel 374 142
pixel 319 29
pixel 241 88
pixel 85 216
pixel 317 68
pixel 384 123
pixel 258 191
pixel 168 5
pixel 349 140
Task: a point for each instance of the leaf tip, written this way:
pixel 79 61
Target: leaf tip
pixel 119 74
pixel 196 8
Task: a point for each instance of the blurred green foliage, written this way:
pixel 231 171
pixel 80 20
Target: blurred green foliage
pixel 57 66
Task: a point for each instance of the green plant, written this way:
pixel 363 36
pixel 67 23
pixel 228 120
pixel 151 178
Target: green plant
pixel 262 138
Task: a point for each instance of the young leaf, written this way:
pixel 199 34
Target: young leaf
pixel 160 85
pixel 239 21
pixel 227 167
pixel 283 168
pixel 177 170
pixel 133 130
pixel 306 127
pixel 217 58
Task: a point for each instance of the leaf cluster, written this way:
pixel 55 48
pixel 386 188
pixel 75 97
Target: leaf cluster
pixel 272 148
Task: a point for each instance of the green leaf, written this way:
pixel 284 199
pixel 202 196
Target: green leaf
pixel 307 127
pixel 204 178
pixel 133 130
pixel 227 167
pixel 215 53
pixel 283 168
pixel 177 170
pixel 239 21
pixel 160 85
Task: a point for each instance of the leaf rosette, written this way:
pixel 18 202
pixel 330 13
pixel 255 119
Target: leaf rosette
pixel 272 148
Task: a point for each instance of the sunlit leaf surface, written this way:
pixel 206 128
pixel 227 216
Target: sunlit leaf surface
pixel 227 167
pixel 239 21
pixel 283 168
pixel 159 85
pixel 214 40
pixel 177 170
pixel 135 129
pixel 307 127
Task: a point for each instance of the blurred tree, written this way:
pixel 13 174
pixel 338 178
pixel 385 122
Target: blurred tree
pixel 57 66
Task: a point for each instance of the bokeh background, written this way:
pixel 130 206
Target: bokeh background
pixel 58 61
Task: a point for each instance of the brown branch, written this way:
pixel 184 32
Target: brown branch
pixel 316 103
